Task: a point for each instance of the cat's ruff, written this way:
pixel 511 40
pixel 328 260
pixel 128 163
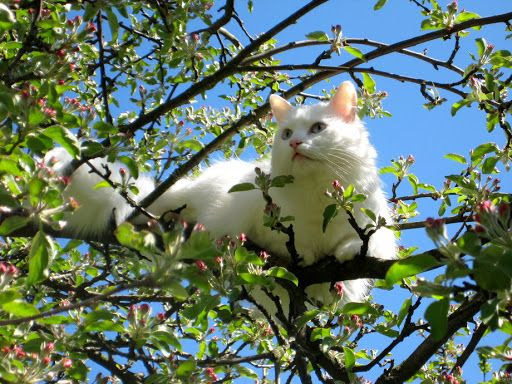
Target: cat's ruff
pixel 316 144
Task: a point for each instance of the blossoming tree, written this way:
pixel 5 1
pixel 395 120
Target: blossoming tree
pixel 119 79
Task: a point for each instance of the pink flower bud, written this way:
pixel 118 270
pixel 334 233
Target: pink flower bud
pixel 200 264
pixel 91 27
pixel 211 374
pixel 144 308
pixel 242 237
pixel 161 316
pixel 46 360
pixel 122 172
pixel 49 347
pixel 218 260
pixel 211 330
pixel 5 350
pixel 410 159
pixel 61 53
pixel 338 286
pixel 486 207
pixel 336 184
pixel 3 268
pixel 264 255
pixel 195 36
pixel 199 227
pixel 67 363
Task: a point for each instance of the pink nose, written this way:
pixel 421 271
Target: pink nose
pixel 294 143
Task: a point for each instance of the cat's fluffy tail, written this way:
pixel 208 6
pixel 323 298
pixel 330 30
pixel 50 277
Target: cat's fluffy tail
pixel 100 209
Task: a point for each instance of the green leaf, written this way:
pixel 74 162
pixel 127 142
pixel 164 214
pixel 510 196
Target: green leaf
pixel 40 254
pixel 354 52
pixel 469 243
pixel 317 35
pixel 458 158
pixel 9 295
pixel 242 187
pixel 9 166
pixel 11 224
pixel 320 334
pixel 403 311
pixel 370 214
pixel 20 308
pixel 349 357
pixel 465 16
pixel 369 83
pixel 113 23
pixel 103 127
pixel 458 105
pixel 102 184
pixel 193 144
pixel 186 368
pixel 409 267
pixel 330 213
pixel 251 278
pixel 483 149
pixel 354 308
pixel 201 307
pixel 307 316
pixel 65 138
pixel 379 4
pixel 283 273
pixel 489 164
pixel 437 316
pixel 281 181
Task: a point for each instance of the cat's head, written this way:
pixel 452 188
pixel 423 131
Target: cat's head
pixel 326 139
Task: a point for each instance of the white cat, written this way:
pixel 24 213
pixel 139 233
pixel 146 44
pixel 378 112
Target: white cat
pixel 315 144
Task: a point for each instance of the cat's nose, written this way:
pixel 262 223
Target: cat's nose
pixel 294 143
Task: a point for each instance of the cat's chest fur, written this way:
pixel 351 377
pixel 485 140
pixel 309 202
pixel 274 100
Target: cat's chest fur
pixel 306 202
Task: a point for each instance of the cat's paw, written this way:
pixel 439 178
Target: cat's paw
pixel 348 250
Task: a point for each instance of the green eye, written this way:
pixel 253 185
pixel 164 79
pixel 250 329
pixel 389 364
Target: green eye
pixel 286 134
pixel 317 127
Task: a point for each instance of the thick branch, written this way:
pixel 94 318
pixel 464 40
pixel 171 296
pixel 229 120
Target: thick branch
pixel 425 350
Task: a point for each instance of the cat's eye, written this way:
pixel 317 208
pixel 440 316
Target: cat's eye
pixel 317 127
pixel 286 134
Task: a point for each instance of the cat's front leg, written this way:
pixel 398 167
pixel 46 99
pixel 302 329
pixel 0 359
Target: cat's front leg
pixel 348 249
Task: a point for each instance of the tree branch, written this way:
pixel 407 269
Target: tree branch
pixel 420 356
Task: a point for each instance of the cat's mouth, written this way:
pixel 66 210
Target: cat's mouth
pixel 300 156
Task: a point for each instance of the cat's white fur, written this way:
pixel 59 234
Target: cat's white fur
pixel 341 151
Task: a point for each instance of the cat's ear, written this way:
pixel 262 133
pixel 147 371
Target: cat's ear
pixel 280 107
pixel 344 102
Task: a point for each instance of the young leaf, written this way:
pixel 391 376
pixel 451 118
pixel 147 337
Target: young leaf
pixel 39 257
pixel 455 157
pixel 370 214
pixel 369 83
pixel 317 35
pixel 409 267
pixel 379 4
pixel 437 316
pixel 330 213
pixel 242 187
pixel 350 358
pixel 11 224
pixel 354 52
pixel 281 181
pixel 283 273
pixel 65 138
